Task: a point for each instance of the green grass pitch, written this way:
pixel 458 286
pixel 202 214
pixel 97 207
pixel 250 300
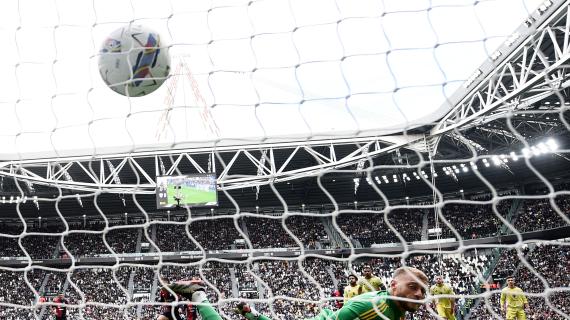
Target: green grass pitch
pixel 190 195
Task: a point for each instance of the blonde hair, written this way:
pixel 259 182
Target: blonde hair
pixel 413 271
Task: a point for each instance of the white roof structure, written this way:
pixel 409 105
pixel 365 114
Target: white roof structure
pixel 243 71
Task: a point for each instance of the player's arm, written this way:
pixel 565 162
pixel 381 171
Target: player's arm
pixel 195 291
pixel 433 301
pixel 451 299
pixel 502 301
pixel 349 311
pixel 525 301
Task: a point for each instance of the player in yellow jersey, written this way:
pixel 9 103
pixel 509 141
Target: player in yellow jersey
pixel 513 301
pixel 369 282
pixel 351 290
pixel 445 306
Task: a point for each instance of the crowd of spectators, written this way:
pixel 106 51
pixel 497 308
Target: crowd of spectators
pixel 268 233
pixel 122 240
pixel 309 279
pixel 309 230
pixel 371 227
pixel 223 238
pixel 41 247
pixel 174 238
pixel 470 220
pixel 540 214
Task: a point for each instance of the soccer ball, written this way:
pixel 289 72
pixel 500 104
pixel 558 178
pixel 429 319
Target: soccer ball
pixel 133 61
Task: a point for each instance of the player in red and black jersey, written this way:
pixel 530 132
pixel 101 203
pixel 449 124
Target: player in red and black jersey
pixel 60 311
pixel 191 312
pixel 166 312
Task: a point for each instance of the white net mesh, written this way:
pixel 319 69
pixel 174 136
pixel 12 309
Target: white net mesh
pixel 343 135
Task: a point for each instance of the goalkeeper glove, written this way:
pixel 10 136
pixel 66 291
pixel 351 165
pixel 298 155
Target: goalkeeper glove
pixel 187 289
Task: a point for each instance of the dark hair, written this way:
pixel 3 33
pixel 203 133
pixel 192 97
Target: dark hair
pixel 352 276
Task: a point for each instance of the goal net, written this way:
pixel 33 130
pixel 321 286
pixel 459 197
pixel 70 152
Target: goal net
pixel 294 146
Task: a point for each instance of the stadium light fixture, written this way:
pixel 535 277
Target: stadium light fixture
pixel 552 145
pixel 526 152
pixel 84 216
pixel 40 218
pixel 543 148
pixel 461 190
pixel 514 156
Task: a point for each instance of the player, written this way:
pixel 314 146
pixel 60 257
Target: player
pixel 166 312
pixel 60 311
pixel 369 282
pixel 407 282
pixel 513 300
pixel 351 290
pixel 191 312
pixel 445 307
pixel 194 291
pixel 339 292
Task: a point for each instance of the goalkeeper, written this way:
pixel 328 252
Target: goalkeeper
pixel 407 282
pixel 194 291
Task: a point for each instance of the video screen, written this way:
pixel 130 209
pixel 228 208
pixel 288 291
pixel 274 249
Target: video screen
pixel 195 190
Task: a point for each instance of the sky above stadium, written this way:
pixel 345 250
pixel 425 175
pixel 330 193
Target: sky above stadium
pixel 292 69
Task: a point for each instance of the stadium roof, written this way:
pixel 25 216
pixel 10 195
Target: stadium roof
pixel 244 71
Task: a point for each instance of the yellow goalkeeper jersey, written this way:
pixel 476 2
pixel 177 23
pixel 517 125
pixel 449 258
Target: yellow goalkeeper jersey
pixel 369 285
pixel 436 290
pixel 514 298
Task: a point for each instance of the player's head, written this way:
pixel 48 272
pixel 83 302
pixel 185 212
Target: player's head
pixel 439 280
pixel 352 279
pixel 367 271
pixel 511 282
pixel 409 283
pixel 61 295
